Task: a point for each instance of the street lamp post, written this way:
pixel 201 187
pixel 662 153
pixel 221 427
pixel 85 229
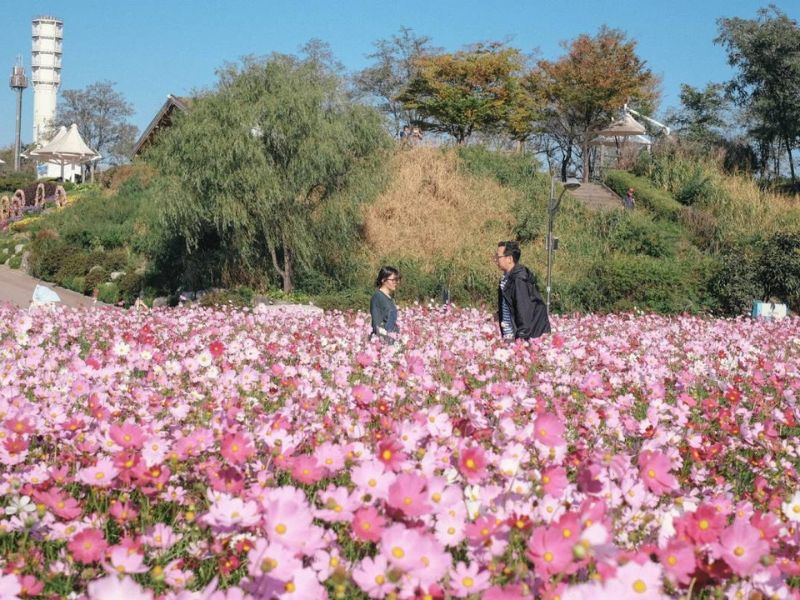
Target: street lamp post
pixel 552 207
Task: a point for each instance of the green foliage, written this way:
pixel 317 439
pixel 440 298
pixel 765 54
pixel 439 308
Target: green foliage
pixel 238 296
pixel 464 92
pixel 109 293
pixel 638 233
pixel 15 261
pixel 734 284
pixel 11 182
pixel 661 203
pixel 779 268
pixel 130 285
pixel 248 171
pixel 623 282
pixel 702 113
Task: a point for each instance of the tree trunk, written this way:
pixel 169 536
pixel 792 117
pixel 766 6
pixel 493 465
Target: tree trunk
pixel 791 160
pixel 565 162
pixel 585 150
pixel 287 268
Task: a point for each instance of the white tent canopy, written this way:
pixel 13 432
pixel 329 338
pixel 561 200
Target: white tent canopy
pixel 636 140
pixel 66 148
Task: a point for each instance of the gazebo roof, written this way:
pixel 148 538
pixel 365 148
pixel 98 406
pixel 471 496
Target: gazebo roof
pixel 66 147
pixel 610 140
pixel 162 119
pixel 627 125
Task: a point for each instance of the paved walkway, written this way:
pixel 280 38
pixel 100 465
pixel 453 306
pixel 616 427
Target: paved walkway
pixel 597 197
pixel 16 287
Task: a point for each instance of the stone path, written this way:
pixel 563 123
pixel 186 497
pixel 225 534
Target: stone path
pixel 597 197
pixel 17 287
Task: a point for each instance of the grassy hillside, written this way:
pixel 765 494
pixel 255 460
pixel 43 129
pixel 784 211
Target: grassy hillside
pixel 698 241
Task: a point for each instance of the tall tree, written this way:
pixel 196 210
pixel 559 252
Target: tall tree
pixel 252 166
pixel 467 91
pixel 101 114
pixel 702 114
pixel 589 85
pixel 395 65
pixel 766 54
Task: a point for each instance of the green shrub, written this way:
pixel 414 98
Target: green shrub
pixel 621 282
pixel 94 278
pixel 734 283
pixel 647 196
pixel 76 284
pixel 636 233
pixel 75 264
pixel 12 182
pixel 239 296
pixel 130 285
pixel 15 261
pixel 779 268
pixel 109 293
pixel 47 254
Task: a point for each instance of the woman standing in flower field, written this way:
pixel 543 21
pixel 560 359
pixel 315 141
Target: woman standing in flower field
pixel 382 308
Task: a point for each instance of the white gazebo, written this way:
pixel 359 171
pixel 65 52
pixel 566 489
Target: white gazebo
pixel 66 148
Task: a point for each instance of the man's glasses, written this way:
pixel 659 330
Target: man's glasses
pixel 394 279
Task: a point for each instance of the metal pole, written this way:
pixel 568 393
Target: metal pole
pixel 550 239
pixel 17 140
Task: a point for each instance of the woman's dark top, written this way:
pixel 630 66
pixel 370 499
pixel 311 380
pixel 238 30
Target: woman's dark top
pixel 384 314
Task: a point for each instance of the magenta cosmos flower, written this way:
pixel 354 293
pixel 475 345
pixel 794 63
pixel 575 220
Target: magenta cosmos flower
pixel 549 550
pixel 549 430
pixel 305 469
pixel 368 524
pixel 236 448
pixel 472 463
pixel 127 435
pixel 88 546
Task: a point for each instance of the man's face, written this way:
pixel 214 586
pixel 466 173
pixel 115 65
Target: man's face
pixel 504 263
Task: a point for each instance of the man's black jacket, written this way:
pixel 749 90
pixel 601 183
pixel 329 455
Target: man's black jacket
pixel 528 311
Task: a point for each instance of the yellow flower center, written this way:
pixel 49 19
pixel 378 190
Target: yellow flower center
pixel 407 500
pixel 639 586
pixel 451 530
pixel 290 587
pixel 567 532
pixel 397 552
pixel 268 564
pixel 467 582
pixel 545 479
pixel 672 560
pixel 651 473
pixel 548 557
pixel 372 483
pixel 99 475
pixel 387 454
pixel 703 524
pixel 365 525
pixel 436 497
pixel 380 579
pixel 280 528
pixel 334 561
pixel 738 551
pixel 470 463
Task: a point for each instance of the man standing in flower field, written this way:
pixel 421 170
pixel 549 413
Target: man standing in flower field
pixel 521 311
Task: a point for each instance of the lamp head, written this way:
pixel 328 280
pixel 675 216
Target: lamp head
pixel 572 184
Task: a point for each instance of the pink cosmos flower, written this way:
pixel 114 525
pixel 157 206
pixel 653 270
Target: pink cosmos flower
pixel 287 522
pixel 372 478
pixel 123 512
pixel 306 470
pixel 229 513
pixel 408 495
pixel 678 560
pixel 124 560
pixel 272 560
pixel 508 592
pixel 330 456
pixel 372 576
pixel 741 546
pixel 236 448
pixel 127 435
pixel 472 463
pixel 10 587
pixel 114 587
pixel 60 503
pixel 390 453
pixel 549 550
pixel 88 546
pixel 368 524
pixel 468 580
pixel 102 474
pixel 549 430
pixel 705 524
pixel 554 481
pixel 635 580
pixel 338 504
pixel 399 545
pixel 654 470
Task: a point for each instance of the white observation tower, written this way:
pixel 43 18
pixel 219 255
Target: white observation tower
pixel 48 33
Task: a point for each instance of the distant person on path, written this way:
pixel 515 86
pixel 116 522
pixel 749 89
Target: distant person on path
pixel 382 308
pixel 629 201
pixel 521 312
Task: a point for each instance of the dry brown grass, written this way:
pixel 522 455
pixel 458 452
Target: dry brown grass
pixel 745 209
pixel 431 212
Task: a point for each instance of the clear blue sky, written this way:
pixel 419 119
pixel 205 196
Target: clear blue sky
pixel 153 48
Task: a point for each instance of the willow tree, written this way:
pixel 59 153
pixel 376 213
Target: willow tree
pixel 250 167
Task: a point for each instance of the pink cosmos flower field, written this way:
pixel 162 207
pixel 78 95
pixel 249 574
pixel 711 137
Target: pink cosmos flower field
pixel 221 454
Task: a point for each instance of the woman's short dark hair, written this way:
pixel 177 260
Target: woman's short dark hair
pixel 384 274
pixel 512 249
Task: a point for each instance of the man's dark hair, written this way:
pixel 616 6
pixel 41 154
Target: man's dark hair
pixel 511 248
